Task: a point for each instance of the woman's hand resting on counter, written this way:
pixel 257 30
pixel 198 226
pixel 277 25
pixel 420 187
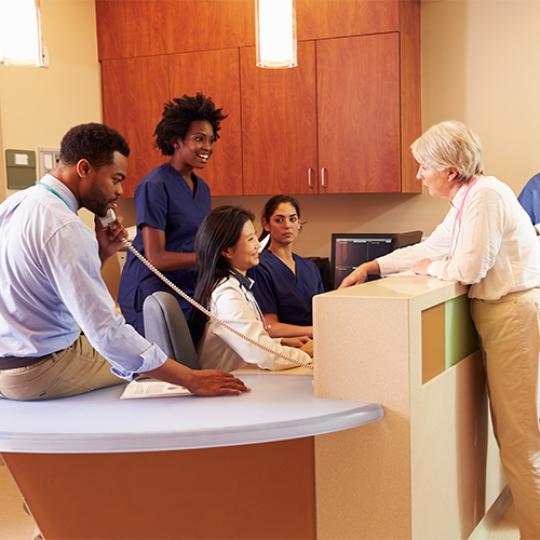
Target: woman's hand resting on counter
pixel 360 274
pixel 421 267
pixel 304 343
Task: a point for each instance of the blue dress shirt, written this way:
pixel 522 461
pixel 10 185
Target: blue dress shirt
pixel 51 286
pixel 530 198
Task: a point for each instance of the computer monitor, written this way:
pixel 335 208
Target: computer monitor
pixel 350 250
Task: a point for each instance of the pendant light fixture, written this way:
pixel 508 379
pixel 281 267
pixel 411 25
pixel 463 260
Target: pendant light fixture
pixel 275 30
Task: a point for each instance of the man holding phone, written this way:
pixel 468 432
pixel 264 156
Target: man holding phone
pixel 51 286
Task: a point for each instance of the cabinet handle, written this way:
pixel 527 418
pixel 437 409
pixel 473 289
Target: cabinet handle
pixel 323 177
pixel 310 177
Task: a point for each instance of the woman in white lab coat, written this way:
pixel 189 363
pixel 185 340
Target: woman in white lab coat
pixel 226 246
pixel 486 241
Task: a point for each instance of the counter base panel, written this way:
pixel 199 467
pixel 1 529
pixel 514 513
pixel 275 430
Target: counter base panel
pixel 250 491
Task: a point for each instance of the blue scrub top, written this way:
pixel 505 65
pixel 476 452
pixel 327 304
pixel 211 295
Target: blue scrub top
pixel 164 201
pixel 278 290
pixel 530 198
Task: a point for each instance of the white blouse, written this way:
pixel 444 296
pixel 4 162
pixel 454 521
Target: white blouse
pixel 490 244
pixel 219 348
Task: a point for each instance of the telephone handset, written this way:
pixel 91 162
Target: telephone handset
pixel 110 217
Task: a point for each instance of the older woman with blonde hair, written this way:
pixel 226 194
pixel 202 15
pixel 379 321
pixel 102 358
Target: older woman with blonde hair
pixel 486 241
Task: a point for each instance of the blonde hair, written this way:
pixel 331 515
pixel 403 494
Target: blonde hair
pixel 450 144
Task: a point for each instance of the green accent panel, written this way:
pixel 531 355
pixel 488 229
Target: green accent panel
pixel 461 338
pixel 20 168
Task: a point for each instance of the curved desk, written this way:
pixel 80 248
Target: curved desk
pixel 95 466
pixel 278 408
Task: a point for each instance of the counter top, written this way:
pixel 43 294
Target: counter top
pixel 404 285
pixel 277 408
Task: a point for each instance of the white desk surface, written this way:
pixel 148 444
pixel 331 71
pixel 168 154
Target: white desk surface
pixel 277 408
pixel 402 286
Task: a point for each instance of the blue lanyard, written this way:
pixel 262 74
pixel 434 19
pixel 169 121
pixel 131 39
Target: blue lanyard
pixel 53 191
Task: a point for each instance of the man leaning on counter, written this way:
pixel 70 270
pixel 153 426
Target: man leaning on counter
pixel 51 286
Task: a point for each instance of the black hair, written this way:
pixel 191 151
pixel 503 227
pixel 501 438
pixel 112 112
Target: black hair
pixel 93 142
pixel 270 207
pixel 177 116
pixel 220 230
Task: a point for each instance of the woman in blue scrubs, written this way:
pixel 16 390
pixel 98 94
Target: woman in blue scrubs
pixel 285 283
pixel 171 202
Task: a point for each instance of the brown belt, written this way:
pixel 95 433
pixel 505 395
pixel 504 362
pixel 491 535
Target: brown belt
pixel 14 362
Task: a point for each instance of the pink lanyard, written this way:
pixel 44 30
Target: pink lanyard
pixel 459 216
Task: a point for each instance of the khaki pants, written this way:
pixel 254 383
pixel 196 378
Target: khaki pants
pixel 73 371
pixel 510 332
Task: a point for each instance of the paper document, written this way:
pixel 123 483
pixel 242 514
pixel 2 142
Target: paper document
pixel 151 388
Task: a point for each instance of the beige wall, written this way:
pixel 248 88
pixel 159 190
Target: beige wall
pixel 479 65
pixel 38 105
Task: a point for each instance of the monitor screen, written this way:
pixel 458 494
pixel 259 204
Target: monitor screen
pixel 350 250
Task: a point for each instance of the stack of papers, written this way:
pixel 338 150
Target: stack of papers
pixel 151 388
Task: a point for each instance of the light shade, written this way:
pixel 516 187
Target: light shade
pixel 275 28
pixel 20 33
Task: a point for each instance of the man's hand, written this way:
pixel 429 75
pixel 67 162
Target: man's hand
pixel 206 382
pixel 110 238
pixel 421 267
pixel 211 382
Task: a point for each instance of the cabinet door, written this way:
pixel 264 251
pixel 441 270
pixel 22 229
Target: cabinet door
pixel 126 28
pixel 358 114
pixel 134 91
pixel 318 19
pixel 279 137
pixel 147 27
pixel 215 74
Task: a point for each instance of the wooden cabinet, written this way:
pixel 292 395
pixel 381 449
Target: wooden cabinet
pixel 147 27
pixel 134 91
pixel 279 126
pixel 321 19
pixel 358 114
pixel 215 74
pixel 341 122
pixel 128 28
pixel 330 125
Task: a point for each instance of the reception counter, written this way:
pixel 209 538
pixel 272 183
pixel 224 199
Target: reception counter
pixel 94 466
pixel 430 469
pixel 299 456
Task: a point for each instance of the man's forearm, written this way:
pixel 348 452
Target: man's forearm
pixel 172 372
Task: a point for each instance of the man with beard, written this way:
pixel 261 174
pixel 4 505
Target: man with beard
pixel 51 286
